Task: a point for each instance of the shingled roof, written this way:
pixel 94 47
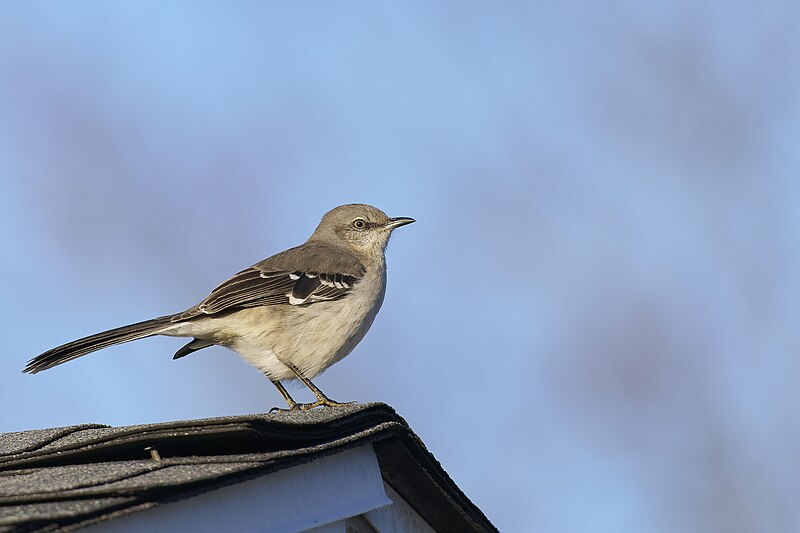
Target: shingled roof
pixel 66 478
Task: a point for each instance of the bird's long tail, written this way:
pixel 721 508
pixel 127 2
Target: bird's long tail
pixel 73 350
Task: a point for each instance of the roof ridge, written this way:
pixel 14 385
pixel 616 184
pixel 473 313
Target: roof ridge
pixel 270 432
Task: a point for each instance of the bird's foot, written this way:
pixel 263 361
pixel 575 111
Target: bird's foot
pixel 293 406
pixel 323 402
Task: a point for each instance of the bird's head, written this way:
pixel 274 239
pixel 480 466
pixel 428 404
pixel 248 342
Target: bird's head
pixel 361 227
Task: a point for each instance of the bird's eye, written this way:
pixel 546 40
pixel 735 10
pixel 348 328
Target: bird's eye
pixel 359 223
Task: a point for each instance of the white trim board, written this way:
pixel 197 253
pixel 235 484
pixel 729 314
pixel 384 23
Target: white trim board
pixel 306 496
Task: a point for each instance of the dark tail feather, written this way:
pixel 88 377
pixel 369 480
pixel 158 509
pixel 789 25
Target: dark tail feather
pixel 75 349
pixel 193 346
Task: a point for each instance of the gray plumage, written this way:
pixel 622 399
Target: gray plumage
pixel 291 315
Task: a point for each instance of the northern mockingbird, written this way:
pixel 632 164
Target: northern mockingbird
pixel 291 316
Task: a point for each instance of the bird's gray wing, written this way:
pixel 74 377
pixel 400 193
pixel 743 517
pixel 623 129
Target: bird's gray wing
pixel 298 282
pixel 314 256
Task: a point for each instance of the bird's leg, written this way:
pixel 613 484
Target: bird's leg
pixel 293 405
pixel 321 398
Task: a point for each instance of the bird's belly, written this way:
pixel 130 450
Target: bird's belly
pixel 311 337
pixel 320 338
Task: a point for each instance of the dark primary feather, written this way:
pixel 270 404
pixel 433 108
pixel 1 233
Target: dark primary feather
pixel 305 285
pixel 254 287
pixel 249 288
pixel 293 271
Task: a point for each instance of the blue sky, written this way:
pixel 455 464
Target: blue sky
pixel 593 323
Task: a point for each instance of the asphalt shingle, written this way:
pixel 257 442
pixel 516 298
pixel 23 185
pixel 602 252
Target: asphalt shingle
pixel 65 478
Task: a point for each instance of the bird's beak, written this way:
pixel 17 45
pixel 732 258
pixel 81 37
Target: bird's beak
pixel 399 221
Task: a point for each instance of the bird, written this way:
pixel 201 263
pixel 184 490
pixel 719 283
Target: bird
pixel 291 316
